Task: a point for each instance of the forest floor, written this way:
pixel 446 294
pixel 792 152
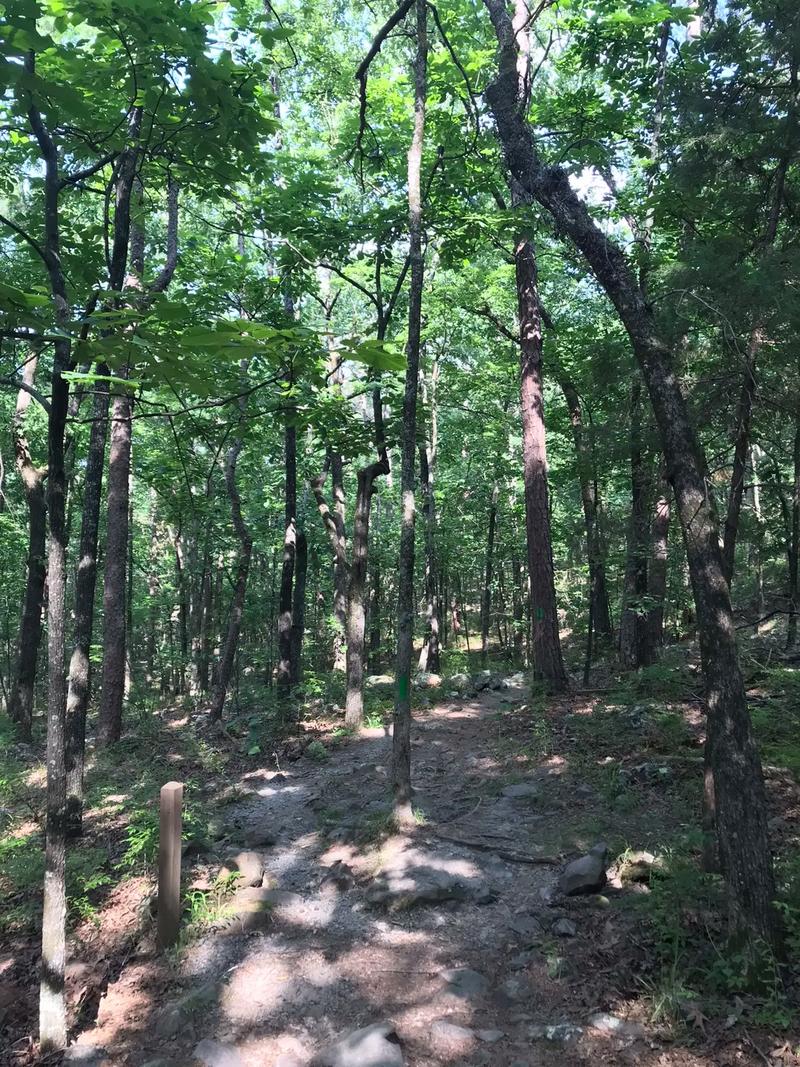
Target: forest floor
pixel 454 935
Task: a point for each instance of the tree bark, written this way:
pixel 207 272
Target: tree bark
pixel 299 605
pixel 741 449
pixel 429 657
pixel 634 645
pixel 739 787
pixel 590 501
pixel 20 707
pixel 794 540
pixel 657 572
pixel 548 665
pixel 401 739
pixel 225 668
pixel 486 594
pixel 333 521
pixel 284 678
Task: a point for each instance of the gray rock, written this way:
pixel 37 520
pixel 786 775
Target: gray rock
pixel 515 681
pixel 169 1022
pixel 547 895
pixel 565 928
pixel 482 680
pixel 423 883
pixel 555 1032
pixel 249 866
pixel 426 680
pixel 520 961
pixel 215 1054
pixel 259 837
pixel 514 989
pixel 85 1055
pixel 587 874
pixel 637 867
pixel 286 1059
pixel 160 1061
pixel 613 1024
pixel 465 983
pixel 527 928
pixel 491 1037
pixel 447 1037
pixel 375 681
pixel 373 1046
pixel 460 682
pixel 522 791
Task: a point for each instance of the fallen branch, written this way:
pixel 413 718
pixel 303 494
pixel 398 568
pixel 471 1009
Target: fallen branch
pixel 503 853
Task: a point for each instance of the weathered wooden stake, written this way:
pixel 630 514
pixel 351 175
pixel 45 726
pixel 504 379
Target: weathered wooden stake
pixel 169 864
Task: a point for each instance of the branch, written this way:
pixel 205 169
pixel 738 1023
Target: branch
pixel 165 277
pixel 363 70
pixel 88 172
pixel 19 384
pixel 26 237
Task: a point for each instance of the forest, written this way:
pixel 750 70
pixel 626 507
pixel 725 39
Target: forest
pixel 400 451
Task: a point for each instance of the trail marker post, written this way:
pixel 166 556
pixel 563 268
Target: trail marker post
pixel 169 864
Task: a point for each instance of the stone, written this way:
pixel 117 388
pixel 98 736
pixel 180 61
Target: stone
pixel 459 682
pixel 198 998
pixel 464 982
pixel 447 1037
pixel 520 791
pixel 410 885
pixel 520 961
pixel 515 681
pixel 339 875
pixel 613 1024
pixel 587 874
pixel 215 1054
pixel 564 928
pixel 249 866
pixel 547 895
pixel 427 680
pixel 637 867
pixel 160 1061
pixel 491 1037
pixel 286 1059
pixel 169 1022
pixel 555 1032
pixel 85 1055
pixel 514 989
pixel 527 928
pixel 259 837
pixel 375 681
pixel 373 1046
pixel 481 681
pixel 251 908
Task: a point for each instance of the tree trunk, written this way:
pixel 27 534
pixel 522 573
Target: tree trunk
pixel 634 650
pixel 657 573
pixel 739 787
pixel 548 665
pixel 356 593
pixel 486 595
pixel 20 707
pixel 289 552
pixel 590 500
pixel 429 658
pixel 794 541
pixel 333 521
pixel 109 726
pixel 225 669
pixel 741 448
pixel 85 582
pixel 299 606
pixel 401 739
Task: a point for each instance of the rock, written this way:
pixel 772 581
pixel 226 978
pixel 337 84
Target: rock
pixel 555 1032
pixel 459 682
pixel 373 1046
pixel 169 1023
pixel 249 866
pixel 317 751
pixel 85 1055
pixel 587 874
pixel 426 680
pixel 637 867
pixel 584 791
pixel 160 1061
pixel 482 680
pixel 197 999
pixel 340 876
pixel 520 961
pixel 215 1054
pixel 613 1024
pixel 286 1059
pixel 259 837
pixel 527 928
pixel 375 681
pixel 419 880
pixel 514 989
pixel 521 791
pixel 447 1037
pixel 251 908
pixel 565 928
pixel 547 895
pixel 465 983
pixel 491 1037
pixel 514 681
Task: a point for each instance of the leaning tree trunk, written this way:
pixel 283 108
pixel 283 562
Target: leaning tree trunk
pixel 225 669
pixel 741 819
pixel 548 665
pixel 401 740
pixel 20 707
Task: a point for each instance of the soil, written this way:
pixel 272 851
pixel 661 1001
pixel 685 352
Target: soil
pixel 330 959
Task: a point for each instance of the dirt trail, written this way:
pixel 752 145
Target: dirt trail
pixel 348 947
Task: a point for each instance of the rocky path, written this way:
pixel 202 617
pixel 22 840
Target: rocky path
pixel 452 945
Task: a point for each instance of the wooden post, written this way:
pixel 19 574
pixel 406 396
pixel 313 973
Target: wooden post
pixel 169 864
